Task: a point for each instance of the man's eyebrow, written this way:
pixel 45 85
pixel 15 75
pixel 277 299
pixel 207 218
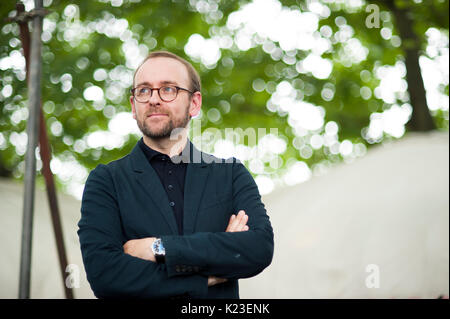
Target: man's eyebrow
pixel 145 83
pixel 142 83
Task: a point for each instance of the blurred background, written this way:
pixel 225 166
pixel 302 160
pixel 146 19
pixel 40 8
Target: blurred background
pixel 353 163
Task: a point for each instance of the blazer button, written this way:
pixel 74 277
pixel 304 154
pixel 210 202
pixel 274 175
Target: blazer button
pixel 170 187
pixel 183 268
pixel 172 204
pixel 177 268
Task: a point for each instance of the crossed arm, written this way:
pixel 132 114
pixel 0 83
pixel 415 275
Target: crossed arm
pixel 115 269
pixel 140 248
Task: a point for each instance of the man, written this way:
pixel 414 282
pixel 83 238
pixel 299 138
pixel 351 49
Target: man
pixel 168 220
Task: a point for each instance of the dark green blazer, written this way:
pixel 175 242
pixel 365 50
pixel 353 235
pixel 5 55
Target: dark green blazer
pixel 125 200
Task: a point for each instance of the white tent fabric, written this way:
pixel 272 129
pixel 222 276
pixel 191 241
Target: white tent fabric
pixel 46 279
pixel 388 211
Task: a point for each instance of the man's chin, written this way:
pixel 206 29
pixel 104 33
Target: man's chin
pixel 156 135
pixel 161 133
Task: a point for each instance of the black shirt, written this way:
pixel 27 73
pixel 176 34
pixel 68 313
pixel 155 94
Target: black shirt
pixel 172 177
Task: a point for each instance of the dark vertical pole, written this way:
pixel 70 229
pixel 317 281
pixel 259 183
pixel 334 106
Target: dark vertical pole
pixel 34 98
pixel 53 203
pixel 45 153
pixel 421 118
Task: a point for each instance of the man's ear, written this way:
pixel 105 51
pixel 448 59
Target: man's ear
pixel 196 104
pixel 133 108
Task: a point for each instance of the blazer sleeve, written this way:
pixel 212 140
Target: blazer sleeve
pixel 111 272
pixel 227 255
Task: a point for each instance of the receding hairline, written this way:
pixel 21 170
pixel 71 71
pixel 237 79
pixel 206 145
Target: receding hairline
pixel 154 58
pixel 193 76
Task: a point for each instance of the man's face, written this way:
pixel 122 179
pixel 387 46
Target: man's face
pixel 157 118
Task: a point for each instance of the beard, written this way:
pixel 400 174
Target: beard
pixel 167 129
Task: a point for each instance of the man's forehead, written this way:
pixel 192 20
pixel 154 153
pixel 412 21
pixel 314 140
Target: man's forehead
pixel 162 70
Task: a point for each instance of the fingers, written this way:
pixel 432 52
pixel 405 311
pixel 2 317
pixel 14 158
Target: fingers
pixel 238 223
pixel 230 223
pixel 234 222
pixel 242 221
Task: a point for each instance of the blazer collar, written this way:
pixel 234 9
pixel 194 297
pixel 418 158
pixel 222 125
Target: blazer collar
pixel 190 154
pixel 195 181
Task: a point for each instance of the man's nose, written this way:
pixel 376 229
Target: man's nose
pixel 154 98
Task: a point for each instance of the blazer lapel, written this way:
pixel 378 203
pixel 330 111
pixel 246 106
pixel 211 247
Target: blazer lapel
pixel 194 185
pixel 149 180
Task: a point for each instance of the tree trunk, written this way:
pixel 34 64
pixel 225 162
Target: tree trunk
pixel 421 119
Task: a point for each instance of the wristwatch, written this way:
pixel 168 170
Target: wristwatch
pixel 159 251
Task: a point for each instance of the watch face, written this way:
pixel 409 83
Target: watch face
pixel 159 251
pixel 158 247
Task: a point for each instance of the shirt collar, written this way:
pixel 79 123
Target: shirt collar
pixel 150 153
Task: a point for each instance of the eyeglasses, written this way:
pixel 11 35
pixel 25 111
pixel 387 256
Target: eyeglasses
pixel 166 93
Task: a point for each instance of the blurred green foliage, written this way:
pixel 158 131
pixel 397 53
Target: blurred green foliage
pixel 167 25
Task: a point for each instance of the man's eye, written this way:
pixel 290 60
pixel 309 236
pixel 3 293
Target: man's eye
pixel 142 91
pixel 168 89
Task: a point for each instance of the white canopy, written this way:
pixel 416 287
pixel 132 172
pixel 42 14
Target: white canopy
pixel 382 220
pixel 387 213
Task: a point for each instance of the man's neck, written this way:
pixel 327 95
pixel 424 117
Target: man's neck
pixel 168 146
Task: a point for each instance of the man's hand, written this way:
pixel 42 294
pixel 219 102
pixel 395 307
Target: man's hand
pixel 140 248
pixel 236 224
pixel 215 280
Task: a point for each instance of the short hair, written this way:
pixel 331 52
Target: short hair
pixel 194 77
